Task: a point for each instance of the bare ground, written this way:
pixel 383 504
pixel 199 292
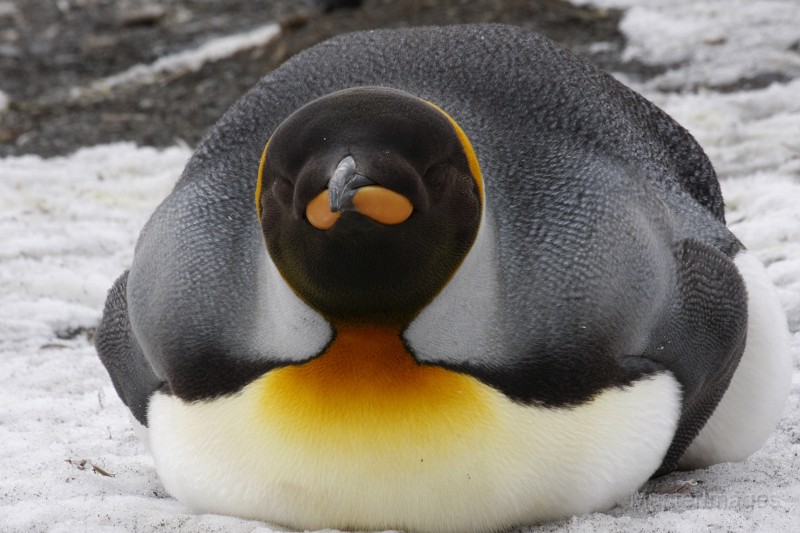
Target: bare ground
pixel 51 50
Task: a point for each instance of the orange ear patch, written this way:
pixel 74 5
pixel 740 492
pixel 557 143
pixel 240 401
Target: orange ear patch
pixel 382 205
pixel 318 211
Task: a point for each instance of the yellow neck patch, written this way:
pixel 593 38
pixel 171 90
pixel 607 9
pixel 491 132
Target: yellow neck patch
pixel 472 160
pixel 260 180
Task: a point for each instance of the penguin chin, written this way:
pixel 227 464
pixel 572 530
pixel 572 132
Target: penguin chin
pixel 362 271
pixel 381 297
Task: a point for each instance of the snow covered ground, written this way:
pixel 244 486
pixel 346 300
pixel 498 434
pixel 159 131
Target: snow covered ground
pixel 69 460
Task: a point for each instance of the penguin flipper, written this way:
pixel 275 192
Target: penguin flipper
pixel 131 373
pixel 752 406
pixel 702 338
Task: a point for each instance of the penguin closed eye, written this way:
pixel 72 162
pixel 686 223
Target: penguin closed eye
pixel 482 285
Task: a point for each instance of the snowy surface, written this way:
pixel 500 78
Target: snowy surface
pixel 713 42
pixel 68 226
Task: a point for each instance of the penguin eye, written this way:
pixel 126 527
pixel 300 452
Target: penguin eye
pixel 435 171
pixel 438 175
pixel 283 190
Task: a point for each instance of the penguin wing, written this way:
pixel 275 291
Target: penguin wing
pixel 702 337
pixel 131 373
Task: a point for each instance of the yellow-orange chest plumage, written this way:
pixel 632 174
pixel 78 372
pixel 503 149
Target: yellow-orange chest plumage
pixel 367 392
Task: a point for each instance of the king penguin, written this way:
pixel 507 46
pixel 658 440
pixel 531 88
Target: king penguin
pixel 442 279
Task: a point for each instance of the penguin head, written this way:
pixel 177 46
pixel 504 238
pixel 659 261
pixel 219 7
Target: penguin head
pixel 369 199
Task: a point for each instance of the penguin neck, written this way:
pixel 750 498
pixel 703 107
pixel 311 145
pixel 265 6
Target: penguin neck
pixel 366 392
pixel 366 370
pixel 363 359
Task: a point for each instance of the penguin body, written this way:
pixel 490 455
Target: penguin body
pixel 482 284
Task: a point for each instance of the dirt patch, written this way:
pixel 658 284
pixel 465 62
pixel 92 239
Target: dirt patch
pixel 50 50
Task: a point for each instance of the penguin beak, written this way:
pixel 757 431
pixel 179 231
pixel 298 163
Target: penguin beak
pixel 349 191
pixel 344 184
